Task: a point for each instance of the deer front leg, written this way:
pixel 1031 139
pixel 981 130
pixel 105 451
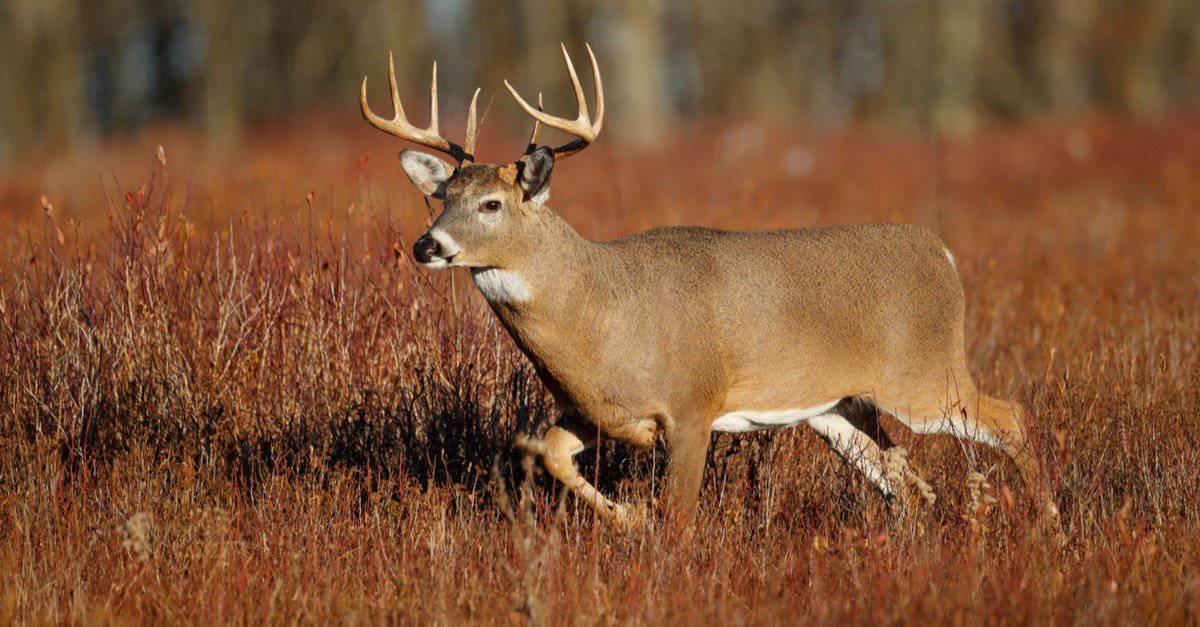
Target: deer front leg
pixel 686 450
pixel 570 437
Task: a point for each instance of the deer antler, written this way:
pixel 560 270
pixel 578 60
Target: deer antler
pixel 537 127
pixel 430 137
pixel 582 126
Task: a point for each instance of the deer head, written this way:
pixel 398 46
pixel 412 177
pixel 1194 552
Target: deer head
pixel 491 214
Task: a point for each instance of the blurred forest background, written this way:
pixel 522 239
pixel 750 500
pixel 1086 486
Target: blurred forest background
pixel 76 71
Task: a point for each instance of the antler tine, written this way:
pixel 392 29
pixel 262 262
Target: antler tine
pixel 537 127
pixel 472 129
pixel 430 137
pixel 599 90
pixel 397 108
pixel 581 127
pixel 580 99
pixel 433 101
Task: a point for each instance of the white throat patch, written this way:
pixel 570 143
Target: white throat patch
pixel 500 286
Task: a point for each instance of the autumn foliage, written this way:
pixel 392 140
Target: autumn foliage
pixel 227 392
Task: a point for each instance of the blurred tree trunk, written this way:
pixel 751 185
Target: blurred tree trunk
pixel 933 56
pixel 907 90
pixel 318 47
pixel 383 25
pixel 720 37
pixel 1189 67
pixel 815 55
pixel 495 47
pixel 397 27
pixel 770 88
pixel 639 87
pixel 749 63
pixel 389 25
pixel 958 40
pixel 496 33
pixel 544 25
pixel 1062 42
pixel 403 24
pixel 116 103
pixel 245 68
pixel 42 76
pixel 227 30
pixel 1131 41
pixel 12 102
pixel 1005 85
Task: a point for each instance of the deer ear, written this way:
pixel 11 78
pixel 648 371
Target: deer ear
pixel 426 171
pixel 535 174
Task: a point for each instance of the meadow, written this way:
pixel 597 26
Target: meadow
pixel 228 393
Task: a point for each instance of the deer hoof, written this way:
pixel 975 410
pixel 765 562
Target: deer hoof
pixel 631 517
pixel 530 446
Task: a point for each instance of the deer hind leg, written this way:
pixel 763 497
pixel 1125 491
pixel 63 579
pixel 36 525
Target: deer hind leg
pixel 570 437
pixel 980 418
pixel 856 447
pixel 1009 427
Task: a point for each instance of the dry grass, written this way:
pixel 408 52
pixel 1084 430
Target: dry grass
pixel 228 394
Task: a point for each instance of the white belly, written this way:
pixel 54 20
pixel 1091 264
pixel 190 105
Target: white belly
pixel 741 421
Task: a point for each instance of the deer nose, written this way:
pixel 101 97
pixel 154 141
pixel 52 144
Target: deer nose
pixel 426 249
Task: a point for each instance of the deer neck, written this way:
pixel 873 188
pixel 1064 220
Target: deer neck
pixel 553 303
pixel 538 279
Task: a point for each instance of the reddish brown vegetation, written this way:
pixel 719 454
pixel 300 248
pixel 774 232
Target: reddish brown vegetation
pixel 227 392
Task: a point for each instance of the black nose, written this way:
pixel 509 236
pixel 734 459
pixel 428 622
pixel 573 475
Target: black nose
pixel 426 249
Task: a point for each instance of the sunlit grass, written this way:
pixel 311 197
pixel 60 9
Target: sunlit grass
pixel 227 393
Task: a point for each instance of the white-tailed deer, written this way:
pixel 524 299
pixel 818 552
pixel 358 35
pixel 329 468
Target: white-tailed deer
pixel 676 332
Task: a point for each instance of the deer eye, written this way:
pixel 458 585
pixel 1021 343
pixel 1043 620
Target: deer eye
pixel 491 206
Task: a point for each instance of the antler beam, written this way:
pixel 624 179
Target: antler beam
pixel 582 126
pixel 429 137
